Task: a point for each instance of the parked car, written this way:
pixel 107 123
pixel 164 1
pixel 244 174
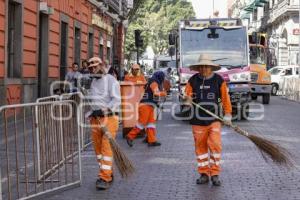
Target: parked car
pixel 278 74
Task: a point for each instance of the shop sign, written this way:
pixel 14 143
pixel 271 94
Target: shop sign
pixel 98 21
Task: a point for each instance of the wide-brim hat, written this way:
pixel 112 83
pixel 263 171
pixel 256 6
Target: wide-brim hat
pixel 94 61
pixel 205 60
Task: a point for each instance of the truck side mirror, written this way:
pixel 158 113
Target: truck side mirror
pixel 172 39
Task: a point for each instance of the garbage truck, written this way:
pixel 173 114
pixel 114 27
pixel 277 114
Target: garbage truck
pixel 226 40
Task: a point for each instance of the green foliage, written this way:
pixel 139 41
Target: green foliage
pixel 156 18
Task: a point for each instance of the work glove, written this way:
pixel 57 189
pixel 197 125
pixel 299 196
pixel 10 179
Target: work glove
pixel 227 119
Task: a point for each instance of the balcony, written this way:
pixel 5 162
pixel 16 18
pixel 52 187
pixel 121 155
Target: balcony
pixel 283 8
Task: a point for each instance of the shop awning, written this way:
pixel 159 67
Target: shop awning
pixel 254 4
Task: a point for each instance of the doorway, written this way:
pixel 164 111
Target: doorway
pixel 43 89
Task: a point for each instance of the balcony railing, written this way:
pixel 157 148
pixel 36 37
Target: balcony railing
pixel 282 8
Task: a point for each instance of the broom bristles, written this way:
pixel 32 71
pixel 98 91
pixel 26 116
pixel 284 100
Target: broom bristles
pixel 271 150
pixel 123 164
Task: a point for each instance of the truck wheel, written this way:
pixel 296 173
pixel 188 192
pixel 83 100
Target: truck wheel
pixel 253 96
pixel 245 112
pixel 266 98
pixel 274 89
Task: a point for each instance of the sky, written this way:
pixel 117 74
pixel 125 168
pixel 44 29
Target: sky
pixel 204 8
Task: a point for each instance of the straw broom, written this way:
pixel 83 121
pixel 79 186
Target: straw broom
pixel 123 163
pixel 267 148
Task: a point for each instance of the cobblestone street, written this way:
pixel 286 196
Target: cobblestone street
pixel 169 171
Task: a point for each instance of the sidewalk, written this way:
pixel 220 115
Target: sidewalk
pixel 169 171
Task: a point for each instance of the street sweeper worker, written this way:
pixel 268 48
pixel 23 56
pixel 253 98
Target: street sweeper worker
pixel 208 90
pixel 135 75
pixel 147 110
pixel 105 100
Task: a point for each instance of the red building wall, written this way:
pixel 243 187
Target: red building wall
pixel 76 10
pixel 30 39
pixel 2 36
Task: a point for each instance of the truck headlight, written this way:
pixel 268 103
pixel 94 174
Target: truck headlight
pixel 184 78
pixel 240 77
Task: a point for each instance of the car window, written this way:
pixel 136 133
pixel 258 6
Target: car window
pixel 288 72
pixel 275 71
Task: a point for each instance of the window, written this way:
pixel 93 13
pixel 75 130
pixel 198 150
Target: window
pixel 255 15
pixel 297 70
pixel 14 40
pixel 108 54
pixel 100 45
pixel 77 46
pixel 289 72
pixel 91 45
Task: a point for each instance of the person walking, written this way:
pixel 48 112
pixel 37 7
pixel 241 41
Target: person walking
pixel 147 110
pixel 209 90
pixel 105 102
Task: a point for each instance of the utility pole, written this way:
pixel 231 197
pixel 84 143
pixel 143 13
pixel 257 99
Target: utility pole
pixel 137 55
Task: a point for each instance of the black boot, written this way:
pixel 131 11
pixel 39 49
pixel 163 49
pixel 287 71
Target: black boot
pixel 154 144
pixel 102 184
pixel 203 179
pixel 129 142
pixel 215 180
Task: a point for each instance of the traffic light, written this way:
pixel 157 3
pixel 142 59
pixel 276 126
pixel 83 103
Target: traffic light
pixel 139 42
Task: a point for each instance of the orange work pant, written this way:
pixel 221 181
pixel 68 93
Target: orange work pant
pixel 101 145
pixel 208 148
pixel 147 119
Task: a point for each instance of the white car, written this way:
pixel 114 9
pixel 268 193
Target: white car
pixel 278 74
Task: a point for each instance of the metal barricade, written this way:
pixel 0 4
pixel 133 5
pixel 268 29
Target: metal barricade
pixel 41 129
pixel 58 143
pixel 83 108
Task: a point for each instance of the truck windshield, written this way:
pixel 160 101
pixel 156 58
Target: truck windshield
pixel 231 44
pixel 257 55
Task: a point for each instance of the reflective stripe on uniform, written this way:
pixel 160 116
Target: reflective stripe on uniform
pixel 216 155
pixel 203 156
pixel 99 157
pixel 215 130
pixel 140 126
pixel 107 158
pixel 151 125
pixel 106 167
pixel 203 164
pixel 214 162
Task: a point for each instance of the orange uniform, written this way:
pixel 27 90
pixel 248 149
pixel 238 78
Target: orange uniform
pixel 147 115
pixel 207 132
pixel 101 145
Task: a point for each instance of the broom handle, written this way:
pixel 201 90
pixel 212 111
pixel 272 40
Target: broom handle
pixel 234 127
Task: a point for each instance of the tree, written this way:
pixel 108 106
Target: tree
pixel 156 18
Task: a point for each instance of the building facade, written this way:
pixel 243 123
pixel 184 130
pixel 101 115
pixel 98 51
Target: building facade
pixel 40 39
pixel 280 20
